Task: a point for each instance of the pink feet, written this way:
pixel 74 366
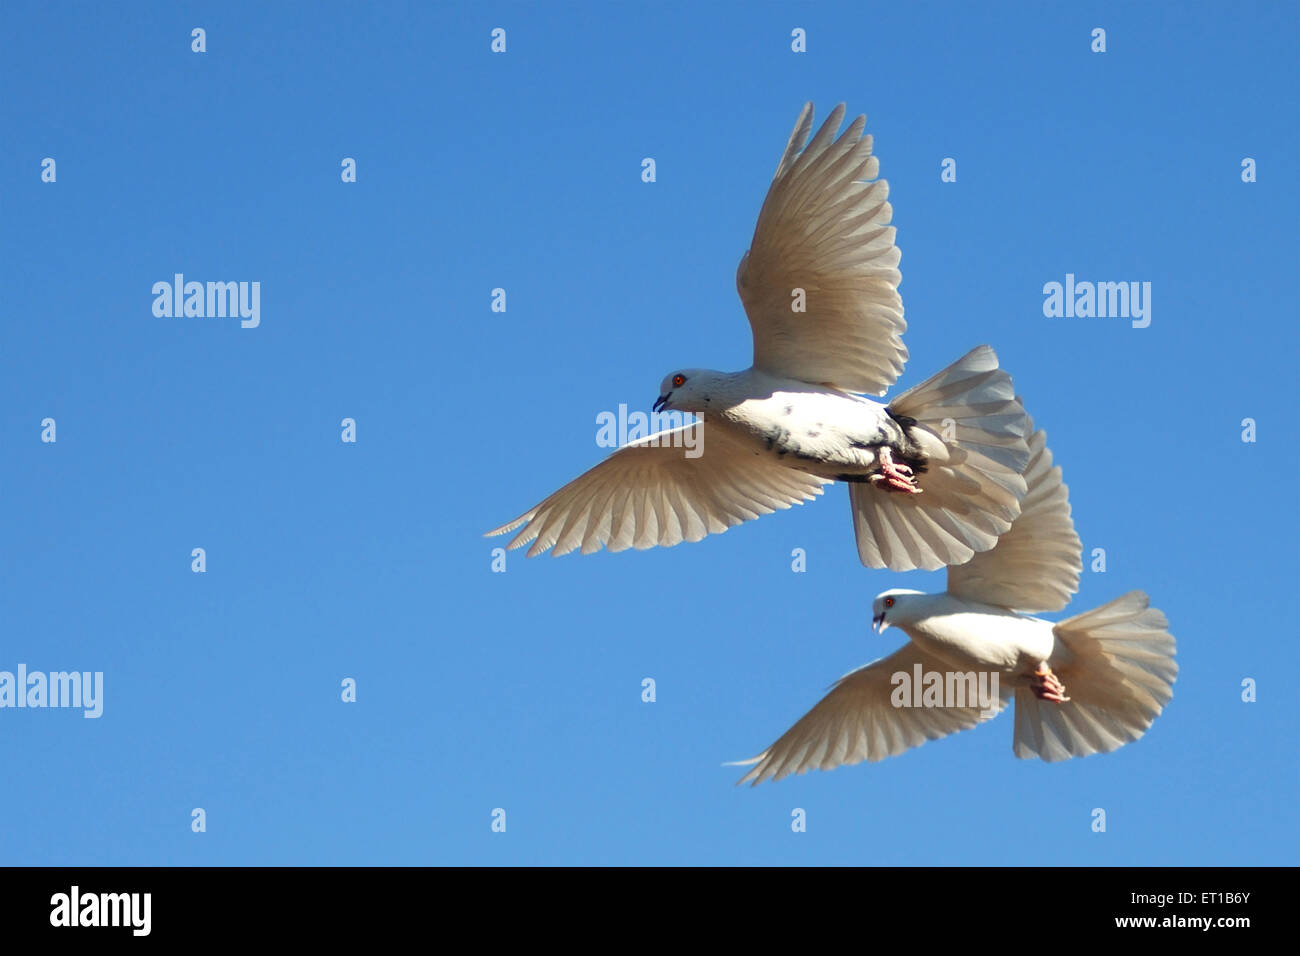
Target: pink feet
pixel 893 477
pixel 1047 686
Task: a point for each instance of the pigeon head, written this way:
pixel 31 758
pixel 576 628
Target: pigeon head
pixel 892 607
pixel 687 390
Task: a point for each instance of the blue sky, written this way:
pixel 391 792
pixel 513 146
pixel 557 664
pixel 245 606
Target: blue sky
pixel 478 690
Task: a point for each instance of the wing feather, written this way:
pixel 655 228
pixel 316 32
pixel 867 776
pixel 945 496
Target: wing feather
pixel 857 721
pixel 824 228
pixel 651 493
pixel 1035 565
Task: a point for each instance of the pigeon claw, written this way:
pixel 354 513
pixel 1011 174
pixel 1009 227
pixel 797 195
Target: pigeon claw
pixel 1047 686
pixel 892 476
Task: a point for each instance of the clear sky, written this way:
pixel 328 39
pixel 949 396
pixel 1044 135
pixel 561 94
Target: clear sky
pixel 522 690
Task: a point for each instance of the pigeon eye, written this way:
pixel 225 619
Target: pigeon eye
pixel 679 381
pixel 889 602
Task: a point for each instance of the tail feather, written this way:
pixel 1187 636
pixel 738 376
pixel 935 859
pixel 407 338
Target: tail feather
pixel 1119 677
pixel 974 434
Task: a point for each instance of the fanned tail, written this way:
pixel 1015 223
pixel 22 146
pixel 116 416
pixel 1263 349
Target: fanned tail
pixel 974 434
pixel 1119 679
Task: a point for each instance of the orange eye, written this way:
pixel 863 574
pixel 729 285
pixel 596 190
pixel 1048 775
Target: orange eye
pixel 889 602
pixel 679 381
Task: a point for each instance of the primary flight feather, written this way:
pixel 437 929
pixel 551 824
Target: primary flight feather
pixel 935 476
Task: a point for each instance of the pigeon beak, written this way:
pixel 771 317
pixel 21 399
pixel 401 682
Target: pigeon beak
pixel 878 623
pixel 660 402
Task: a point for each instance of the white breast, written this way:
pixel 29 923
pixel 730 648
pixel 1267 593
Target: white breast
pixel 969 635
pixel 828 432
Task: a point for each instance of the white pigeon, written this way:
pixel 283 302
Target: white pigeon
pixel 935 476
pixel 1082 686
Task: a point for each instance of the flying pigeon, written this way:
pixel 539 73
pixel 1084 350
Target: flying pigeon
pixel 1086 685
pixel 934 477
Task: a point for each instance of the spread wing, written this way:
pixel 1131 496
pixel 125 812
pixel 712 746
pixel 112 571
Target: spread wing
pixel 824 228
pixel 658 491
pixel 1035 566
pixel 857 721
